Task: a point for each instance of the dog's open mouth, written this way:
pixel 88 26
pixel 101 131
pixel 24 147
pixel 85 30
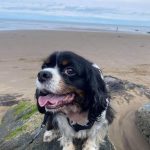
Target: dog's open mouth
pixel 53 101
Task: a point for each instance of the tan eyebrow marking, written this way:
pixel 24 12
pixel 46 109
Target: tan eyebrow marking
pixel 65 62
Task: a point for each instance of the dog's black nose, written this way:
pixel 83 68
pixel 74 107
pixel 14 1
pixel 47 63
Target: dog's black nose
pixel 44 76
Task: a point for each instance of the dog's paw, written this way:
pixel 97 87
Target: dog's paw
pixel 90 145
pixel 69 147
pixel 48 136
pixel 66 143
pixel 90 148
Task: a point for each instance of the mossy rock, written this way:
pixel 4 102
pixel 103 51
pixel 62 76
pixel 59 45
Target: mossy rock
pixel 15 133
pixel 21 123
pixel 19 120
pixel 24 110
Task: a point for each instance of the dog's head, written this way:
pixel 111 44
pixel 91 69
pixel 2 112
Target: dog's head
pixel 68 79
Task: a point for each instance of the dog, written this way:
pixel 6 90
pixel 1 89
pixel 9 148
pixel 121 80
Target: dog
pixel 72 90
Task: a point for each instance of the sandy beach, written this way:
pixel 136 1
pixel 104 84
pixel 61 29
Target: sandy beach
pixel 126 56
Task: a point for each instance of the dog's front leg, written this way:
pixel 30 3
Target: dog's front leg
pixel 49 135
pixel 67 133
pixel 95 138
pixel 67 143
pixel 90 144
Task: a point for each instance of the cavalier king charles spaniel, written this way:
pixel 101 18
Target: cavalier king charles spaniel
pixel 72 90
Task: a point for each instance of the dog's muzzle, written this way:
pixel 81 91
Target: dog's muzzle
pixel 44 76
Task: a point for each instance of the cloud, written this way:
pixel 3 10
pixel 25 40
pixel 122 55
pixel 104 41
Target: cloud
pixel 113 9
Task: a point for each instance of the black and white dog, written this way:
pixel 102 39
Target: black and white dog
pixel 73 91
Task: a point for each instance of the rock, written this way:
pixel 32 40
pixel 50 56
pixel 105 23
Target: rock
pixel 147 93
pixel 21 123
pixel 143 121
pixel 114 84
pixel 123 87
pixel 9 99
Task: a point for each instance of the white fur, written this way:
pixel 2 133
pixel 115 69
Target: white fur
pixel 49 135
pixel 96 66
pixel 94 136
pixel 52 85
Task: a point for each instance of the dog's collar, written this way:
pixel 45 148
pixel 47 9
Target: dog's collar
pixel 77 127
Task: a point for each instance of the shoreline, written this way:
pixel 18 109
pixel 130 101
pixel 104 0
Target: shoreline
pixel 80 30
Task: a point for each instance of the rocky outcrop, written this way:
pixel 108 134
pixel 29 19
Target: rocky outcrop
pixel 21 123
pixel 9 99
pixel 143 121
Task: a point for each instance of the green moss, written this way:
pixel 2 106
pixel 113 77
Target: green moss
pixel 15 132
pixel 22 112
pixel 27 107
pixel 23 105
pixel 33 110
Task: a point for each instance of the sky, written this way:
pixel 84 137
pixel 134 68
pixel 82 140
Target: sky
pixel 130 10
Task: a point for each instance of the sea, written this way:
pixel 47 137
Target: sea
pixel 7 25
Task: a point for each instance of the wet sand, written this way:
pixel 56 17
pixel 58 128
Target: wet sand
pixel 124 132
pixel 126 56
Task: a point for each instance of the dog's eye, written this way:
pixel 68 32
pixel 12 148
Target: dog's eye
pixel 69 72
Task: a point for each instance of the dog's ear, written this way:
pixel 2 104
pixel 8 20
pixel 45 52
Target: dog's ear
pixel 97 91
pixel 40 109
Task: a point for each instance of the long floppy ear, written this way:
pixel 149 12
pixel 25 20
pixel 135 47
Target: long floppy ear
pixel 97 92
pixel 40 109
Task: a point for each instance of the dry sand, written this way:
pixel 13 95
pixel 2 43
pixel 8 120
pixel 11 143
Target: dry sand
pixel 126 56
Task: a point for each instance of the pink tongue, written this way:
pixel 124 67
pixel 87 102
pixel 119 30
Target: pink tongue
pixel 54 99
